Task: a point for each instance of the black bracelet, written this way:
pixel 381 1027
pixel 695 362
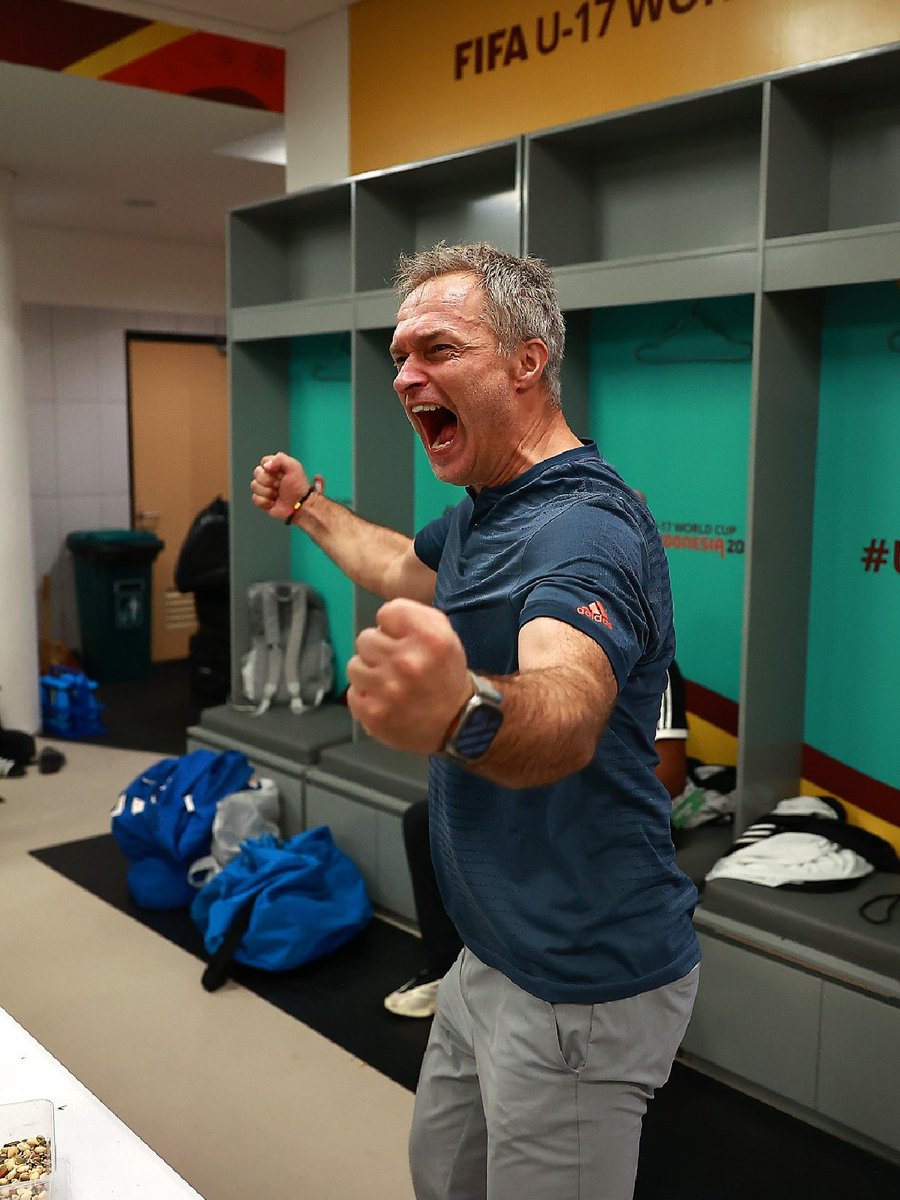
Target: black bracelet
pixel 297 506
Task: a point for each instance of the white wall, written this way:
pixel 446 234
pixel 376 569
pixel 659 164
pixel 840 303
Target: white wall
pixel 77 405
pixel 62 266
pixel 81 292
pixel 317 103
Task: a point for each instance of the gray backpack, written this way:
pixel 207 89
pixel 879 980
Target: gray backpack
pixel 290 660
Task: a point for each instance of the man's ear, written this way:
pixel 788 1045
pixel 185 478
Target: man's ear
pixel 530 361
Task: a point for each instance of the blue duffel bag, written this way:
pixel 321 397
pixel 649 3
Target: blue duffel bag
pixel 163 821
pixel 277 905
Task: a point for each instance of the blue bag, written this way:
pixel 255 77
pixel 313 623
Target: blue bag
pixel 277 905
pixel 163 821
pixel 69 704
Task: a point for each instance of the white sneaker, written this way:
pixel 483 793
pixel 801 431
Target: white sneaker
pixel 416 998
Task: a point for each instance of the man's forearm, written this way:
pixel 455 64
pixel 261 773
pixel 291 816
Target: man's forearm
pixel 367 553
pixel 551 726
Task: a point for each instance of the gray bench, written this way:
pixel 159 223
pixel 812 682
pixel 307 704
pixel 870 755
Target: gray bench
pixel 799 1004
pixel 361 789
pixel 280 744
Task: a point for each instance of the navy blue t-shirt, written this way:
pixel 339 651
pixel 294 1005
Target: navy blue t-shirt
pixel 569 889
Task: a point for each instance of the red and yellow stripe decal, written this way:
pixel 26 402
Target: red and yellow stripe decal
pixel 95 44
pixel 127 50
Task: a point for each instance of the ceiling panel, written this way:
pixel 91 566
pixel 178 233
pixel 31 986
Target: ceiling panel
pixel 81 149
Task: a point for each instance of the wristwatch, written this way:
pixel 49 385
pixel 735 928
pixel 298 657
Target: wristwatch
pixel 474 730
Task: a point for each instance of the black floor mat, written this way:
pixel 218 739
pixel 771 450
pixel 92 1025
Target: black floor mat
pixel 339 996
pixel 702 1140
pixel 150 714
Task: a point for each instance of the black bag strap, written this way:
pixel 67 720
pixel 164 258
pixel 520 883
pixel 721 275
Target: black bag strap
pixel 892 898
pixel 219 966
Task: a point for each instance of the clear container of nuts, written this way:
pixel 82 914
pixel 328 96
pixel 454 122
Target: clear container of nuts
pixel 27 1150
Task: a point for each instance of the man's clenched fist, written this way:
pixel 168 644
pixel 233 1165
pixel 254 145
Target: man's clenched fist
pixel 408 678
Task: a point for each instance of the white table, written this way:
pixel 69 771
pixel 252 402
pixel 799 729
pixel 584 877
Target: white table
pixel 100 1157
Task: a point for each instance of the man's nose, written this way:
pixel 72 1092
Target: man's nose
pixel 409 377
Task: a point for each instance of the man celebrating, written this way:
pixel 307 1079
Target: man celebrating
pixel 524 645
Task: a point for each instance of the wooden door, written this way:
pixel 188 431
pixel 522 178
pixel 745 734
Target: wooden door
pixel 178 398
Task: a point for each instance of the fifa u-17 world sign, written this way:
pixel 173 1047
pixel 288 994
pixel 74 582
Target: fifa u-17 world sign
pixel 585 24
pixel 487 70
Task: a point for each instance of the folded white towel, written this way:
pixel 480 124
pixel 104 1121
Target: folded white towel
pixel 791 858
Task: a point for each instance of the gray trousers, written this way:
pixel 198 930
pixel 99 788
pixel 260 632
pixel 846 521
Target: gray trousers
pixel 519 1099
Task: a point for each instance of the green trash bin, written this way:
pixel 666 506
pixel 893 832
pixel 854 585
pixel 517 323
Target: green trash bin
pixel 113 570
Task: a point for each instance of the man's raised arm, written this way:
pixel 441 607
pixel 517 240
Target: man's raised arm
pixel 378 559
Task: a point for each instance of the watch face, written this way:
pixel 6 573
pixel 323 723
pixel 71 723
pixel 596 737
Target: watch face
pixel 479 730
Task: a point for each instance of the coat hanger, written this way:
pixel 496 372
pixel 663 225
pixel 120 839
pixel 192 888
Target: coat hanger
pixel 733 350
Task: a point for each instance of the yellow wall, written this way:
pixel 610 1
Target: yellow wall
pixel 709 743
pixel 428 79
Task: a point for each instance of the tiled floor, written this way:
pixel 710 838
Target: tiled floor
pixel 242 1100
pixel 246 1102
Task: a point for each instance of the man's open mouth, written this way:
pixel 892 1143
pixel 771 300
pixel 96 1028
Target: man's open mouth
pixel 438 424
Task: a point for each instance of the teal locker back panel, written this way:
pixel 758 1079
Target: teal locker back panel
pixel 678 431
pixel 321 436
pixel 854 633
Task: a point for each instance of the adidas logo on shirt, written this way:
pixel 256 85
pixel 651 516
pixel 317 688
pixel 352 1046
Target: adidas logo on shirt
pixel 596 612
